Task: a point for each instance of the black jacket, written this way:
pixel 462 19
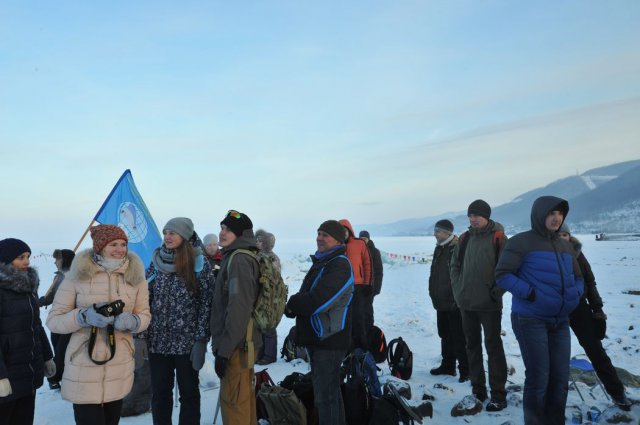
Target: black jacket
pixel 303 304
pixel 376 267
pixel 440 280
pixel 23 343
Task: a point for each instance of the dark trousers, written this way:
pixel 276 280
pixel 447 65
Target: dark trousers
pixel 473 324
pixel 163 368
pixel 269 349
pixel 546 350
pixel 98 414
pixel 59 342
pixel 358 317
pixel 18 411
pixel 452 342
pixel 325 376
pixel 582 325
pixel 368 314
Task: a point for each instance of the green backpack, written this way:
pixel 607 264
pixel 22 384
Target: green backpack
pixel 272 296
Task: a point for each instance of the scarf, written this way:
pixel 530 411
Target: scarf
pixel 164 259
pixel 109 264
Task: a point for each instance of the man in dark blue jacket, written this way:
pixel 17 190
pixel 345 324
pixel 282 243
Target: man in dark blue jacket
pixel 541 272
pixel 323 319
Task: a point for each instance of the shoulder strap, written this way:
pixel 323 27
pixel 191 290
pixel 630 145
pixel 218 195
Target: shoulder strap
pixel 497 237
pixel 322 269
pixel 463 240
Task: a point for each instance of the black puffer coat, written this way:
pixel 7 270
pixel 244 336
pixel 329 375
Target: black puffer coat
pixel 440 280
pixel 23 343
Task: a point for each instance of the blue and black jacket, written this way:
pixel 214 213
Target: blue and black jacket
pixel 322 307
pixel 540 261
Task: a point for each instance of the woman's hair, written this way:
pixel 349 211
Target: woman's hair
pixel 66 255
pixel 185 263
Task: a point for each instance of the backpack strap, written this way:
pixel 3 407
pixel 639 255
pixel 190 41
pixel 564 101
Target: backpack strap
pixel 463 240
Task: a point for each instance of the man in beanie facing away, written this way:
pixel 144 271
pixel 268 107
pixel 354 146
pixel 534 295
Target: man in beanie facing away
pixel 232 330
pixel 376 275
pixel 358 255
pixel 479 299
pixel 452 343
pixel 324 298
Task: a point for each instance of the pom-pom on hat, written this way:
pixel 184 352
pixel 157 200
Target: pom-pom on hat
pixel 237 222
pixel 103 234
pixel 11 248
pixel 180 225
pixel 479 207
pixel 334 229
pixel 444 225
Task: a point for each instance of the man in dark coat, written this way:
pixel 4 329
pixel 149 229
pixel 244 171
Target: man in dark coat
pixel 449 320
pixel 323 319
pixel 377 272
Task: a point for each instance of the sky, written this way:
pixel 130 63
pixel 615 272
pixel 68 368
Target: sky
pixel 297 112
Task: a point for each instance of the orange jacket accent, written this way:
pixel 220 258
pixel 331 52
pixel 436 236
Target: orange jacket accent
pixel 358 255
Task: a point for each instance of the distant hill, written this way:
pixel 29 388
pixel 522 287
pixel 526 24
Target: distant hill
pixel 604 199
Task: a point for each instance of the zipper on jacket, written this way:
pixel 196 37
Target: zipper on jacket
pixel 33 346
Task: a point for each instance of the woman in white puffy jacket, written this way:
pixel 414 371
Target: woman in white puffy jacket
pixel 99 374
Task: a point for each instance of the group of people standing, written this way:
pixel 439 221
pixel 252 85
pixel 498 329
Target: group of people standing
pixel 552 289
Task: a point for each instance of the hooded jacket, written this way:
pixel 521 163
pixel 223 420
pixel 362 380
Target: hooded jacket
pixel 23 343
pixel 328 281
pixel 590 290
pixel 358 255
pixel 235 294
pixel 87 283
pixel 473 280
pixel 539 260
pixel 440 289
pixel 377 269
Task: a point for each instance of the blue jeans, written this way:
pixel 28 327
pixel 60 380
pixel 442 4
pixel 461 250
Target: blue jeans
pixel 325 375
pixel 546 351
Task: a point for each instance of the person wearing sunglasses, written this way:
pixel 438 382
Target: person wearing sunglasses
pixel 232 333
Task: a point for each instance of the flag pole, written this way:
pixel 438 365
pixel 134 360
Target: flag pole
pixel 84 234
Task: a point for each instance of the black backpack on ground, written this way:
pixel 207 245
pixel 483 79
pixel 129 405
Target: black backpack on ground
pixel 302 386
pixel 400 359
pixel 290 350
pixel 377 344
pixel 356 394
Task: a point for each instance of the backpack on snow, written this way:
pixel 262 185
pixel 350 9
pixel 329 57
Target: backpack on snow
pixel 361 386
pixel 290 350
pixel 377 344
pixel 400 359
pixel 272 296
pixel 282 405
pixel 302 385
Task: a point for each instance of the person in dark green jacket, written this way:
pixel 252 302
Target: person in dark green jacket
pixel 480 301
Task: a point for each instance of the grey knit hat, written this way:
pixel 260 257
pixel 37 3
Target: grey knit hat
pixel 565 228
pixel 180 225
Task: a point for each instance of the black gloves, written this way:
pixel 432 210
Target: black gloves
pixel 532 295
pixel 599 324
pixel 221 366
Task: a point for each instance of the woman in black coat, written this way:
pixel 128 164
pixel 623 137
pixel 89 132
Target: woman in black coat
pixel 25 354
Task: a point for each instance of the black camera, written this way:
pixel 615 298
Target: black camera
pixel 111 309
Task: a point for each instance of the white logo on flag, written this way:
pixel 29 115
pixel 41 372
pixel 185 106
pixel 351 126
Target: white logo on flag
pixel 132 221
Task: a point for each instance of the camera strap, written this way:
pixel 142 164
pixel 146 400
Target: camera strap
pixel 111 341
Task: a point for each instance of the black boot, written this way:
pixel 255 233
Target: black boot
pixel 443 370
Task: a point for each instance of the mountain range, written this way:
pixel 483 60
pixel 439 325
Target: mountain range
pixel 601 200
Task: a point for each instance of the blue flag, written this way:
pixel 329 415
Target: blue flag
pixel 125 208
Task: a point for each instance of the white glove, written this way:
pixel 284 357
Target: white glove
pixel 5 387
pixel 49 368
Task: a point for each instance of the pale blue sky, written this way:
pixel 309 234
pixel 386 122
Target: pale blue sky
pixel 295 111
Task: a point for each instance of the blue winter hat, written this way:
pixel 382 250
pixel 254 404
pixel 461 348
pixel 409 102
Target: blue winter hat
pixel 11 248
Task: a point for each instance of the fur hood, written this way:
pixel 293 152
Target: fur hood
pixel 84 268
pixel 17 281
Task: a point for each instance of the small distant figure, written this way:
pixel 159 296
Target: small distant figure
pixel 265 242
pixel 376 272
pixel 63 259
pixel 212 252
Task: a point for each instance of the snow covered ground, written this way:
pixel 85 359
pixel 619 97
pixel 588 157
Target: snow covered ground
pixel 404 309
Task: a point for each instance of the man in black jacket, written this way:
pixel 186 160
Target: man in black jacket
pixel 323 319
pixel 449 320
pixel 376 273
